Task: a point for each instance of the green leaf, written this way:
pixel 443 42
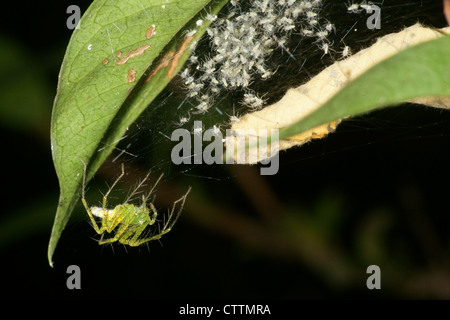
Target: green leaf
pixel 97 98
pixel 419 71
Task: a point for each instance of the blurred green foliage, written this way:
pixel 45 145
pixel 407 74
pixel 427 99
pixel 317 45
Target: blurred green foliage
pixel 24 93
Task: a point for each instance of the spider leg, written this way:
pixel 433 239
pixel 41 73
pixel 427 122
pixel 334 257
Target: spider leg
pixel 131 242
pixel 144 199
pixel 94 223
pixel 113 185
pixel 83 200
pixel 117 217
pixel 120 233
pixel 141 241
pixel 137 187
pixel 155 214
pixel 167 226
pixel 105 197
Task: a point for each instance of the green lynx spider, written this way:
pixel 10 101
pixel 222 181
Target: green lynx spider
pixel 129 220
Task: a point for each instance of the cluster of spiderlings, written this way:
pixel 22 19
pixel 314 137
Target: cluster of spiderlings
pixel 241 44
pixel 358 7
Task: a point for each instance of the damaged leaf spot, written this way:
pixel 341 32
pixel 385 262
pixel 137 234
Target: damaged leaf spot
pixel 150 32
pixel 105 61
pixel 171 58
pixel 132 54
pixel 164 63
pixel 131 75
pixel 177 57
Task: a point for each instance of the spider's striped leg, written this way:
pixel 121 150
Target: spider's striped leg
pixel 83 200
pixel 137 233
pixel 119 214
pixel 121 231
pixel 105 221
pixel 137 188
pixel 138 242
pixel 167 226
pixel 145 198
pixel 155 214
pixel 94 223
pixel 134 241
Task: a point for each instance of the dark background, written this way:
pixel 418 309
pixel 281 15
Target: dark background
pixel 375 192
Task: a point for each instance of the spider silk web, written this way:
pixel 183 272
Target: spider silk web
pixel 294 58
